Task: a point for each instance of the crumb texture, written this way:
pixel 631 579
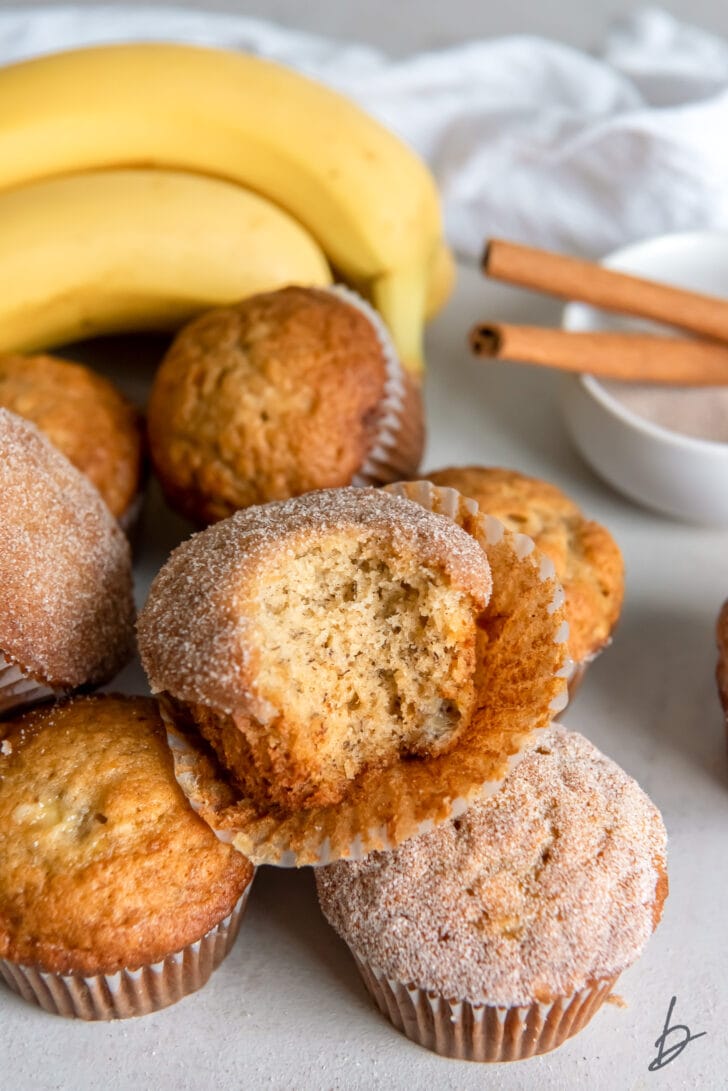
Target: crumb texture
pixel 66 607
pixel 334 633
pixel 103 864
pixel 588 561
pixel 555 881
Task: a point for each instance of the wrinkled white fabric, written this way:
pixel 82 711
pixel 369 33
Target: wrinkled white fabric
pixel 528 139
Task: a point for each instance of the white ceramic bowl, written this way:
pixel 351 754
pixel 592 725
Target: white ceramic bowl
pixel 676 474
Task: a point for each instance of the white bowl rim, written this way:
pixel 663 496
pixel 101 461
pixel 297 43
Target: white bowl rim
pixel 599 392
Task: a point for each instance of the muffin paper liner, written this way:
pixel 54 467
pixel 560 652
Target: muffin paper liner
pixel 18 691
pixel 581 667
pixel 397 446
pixel 128 992
pixel 523 671
pixel 482 1032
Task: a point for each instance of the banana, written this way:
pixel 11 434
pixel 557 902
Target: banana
pixel 364 195
pixel 443 274
pixel 133 249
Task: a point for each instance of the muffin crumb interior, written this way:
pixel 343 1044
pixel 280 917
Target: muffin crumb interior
pixel 373 655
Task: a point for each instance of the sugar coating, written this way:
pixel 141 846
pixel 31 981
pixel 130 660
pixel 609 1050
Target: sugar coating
pixel 66 607
pixel 194 633
pixel 555 881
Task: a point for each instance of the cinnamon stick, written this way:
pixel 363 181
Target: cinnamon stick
pixel 631 357
pixel 588 282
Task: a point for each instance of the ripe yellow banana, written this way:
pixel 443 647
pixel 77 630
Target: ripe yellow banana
pixel 442 280
pixel 367 198
pixel 117 250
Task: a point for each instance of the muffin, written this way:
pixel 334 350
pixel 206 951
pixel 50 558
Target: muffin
pixel 330 650
pixel 281 394
pixel 499 934
pixel 66 606
pixel 587 560
pixel 722 668
pixel 85 417
pixel 115 899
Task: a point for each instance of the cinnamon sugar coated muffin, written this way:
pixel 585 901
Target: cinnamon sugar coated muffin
pixel 588 561
pixel 105 870
pixel 84 416
pixel 281 394
pixel 311 639
pixel 497 935
pixel 66 606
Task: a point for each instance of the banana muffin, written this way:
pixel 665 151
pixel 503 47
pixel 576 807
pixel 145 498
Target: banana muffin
pixel 283 393
pixel 331 650
pixel 85 417
pixel 115 898
pixel 66 606
pixel 498 935
pixel 587 560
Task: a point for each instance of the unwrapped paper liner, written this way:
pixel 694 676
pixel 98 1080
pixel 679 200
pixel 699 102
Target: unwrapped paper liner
pixel 482 1032
pixel 524 669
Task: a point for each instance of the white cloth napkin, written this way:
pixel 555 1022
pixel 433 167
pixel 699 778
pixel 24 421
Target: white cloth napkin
pixel 528 139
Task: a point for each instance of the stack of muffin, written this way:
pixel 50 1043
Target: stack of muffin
pixel 358 678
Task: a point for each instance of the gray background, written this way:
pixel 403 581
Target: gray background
pixel 400 28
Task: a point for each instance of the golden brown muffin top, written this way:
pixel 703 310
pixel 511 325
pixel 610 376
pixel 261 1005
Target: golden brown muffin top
pixel 194 631
pixel 103 864
pixel 275 396
pixel 588 561
pixel 66 606
pixel 84 416
pixel 555 881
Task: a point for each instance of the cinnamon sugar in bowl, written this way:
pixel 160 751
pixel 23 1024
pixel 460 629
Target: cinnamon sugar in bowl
pixel 652 461
pixel 498 935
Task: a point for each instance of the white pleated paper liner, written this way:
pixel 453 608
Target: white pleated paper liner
pixel 18 691
pixel 129 992
pixel 399 435
pixel 482 1032
pixel 524 667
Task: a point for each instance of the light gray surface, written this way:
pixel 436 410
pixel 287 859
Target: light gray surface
pixel 403 26
pixel 286 1009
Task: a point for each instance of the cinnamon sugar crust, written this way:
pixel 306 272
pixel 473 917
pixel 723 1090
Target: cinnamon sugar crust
pixel 587 560
pixel 273 397
pixel 66 606
pixel 103 865
pixel 317 637
pixel 558 880
pixel 84 416
pixel 519 683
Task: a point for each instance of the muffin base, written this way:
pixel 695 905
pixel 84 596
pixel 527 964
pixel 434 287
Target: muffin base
pixel 482 1032
pixel 128 992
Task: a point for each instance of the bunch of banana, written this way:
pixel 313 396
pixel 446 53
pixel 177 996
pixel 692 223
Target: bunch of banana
pixel 367 200
pixel 136 249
